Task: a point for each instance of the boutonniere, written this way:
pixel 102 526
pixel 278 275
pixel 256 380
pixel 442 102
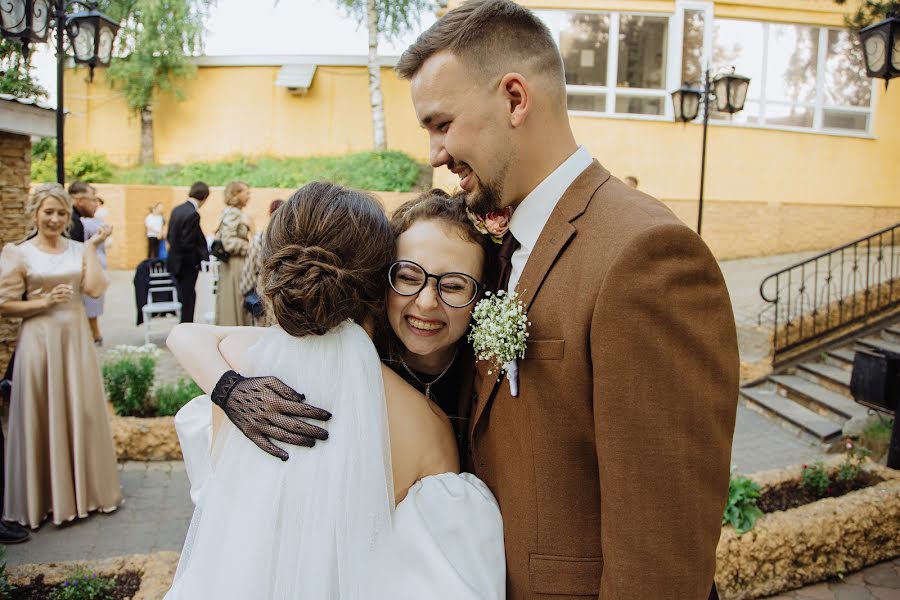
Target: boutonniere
pixel 494 224
pixel 499 334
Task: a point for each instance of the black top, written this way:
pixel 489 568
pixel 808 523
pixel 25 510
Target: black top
pixel 76 231
pixel 444 393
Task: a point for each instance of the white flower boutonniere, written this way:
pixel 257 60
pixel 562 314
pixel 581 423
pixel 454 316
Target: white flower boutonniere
pixel 500 332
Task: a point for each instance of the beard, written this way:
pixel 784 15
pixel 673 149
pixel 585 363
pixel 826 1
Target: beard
pixel 487 197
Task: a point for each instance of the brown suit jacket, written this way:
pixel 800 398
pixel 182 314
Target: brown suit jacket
pixel 611 467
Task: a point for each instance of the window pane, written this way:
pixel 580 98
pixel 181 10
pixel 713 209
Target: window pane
pixel 846 83
pixel 640 106
pixel 748 116
pixel 642 52
pixel 837 119
pixel 792 60
pixel 789 115
pixel 595 103
pixel 739 44
pixel 584 45
pixel 692 53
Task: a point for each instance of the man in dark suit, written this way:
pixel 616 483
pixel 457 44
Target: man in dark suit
pixel 84 204
pixel 187 248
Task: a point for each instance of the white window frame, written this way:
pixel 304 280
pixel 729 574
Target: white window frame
pixel 818 107
pixel 611 91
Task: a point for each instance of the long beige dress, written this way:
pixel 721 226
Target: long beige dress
pixel 60 457
pixel 235 236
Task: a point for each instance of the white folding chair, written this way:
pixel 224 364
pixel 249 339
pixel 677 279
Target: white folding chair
pixel 162 299
pixel 209 280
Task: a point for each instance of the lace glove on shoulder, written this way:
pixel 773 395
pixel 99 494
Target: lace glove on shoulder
pixel 265 408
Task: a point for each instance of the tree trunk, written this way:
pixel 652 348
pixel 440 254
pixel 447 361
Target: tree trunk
pixel 146 136
pixel 375 97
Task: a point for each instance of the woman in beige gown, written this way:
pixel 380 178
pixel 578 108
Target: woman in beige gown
pixel 234 231
pixel 60 457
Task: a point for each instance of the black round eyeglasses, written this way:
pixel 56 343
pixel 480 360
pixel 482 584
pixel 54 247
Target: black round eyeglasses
pixel 456 290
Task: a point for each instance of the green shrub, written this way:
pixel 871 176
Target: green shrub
pixel 378 171
pixel 92 167
pixel 815 479
pixel 128 375
pixel 741 511
pixel 856 456
pixel 170 397
pixel 6 588
pixel 81 585
pixel 43 170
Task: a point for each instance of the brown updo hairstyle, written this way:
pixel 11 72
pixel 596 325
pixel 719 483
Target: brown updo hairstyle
pixel 324 253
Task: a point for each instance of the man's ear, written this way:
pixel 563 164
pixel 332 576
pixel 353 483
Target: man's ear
pixel 517 92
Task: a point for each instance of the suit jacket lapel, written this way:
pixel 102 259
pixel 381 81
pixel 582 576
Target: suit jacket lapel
pixel 553 239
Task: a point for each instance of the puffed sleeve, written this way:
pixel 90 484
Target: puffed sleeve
pixel 12 274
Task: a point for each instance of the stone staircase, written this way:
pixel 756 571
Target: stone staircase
pixel 813 397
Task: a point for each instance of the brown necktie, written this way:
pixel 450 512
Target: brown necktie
pixel 504 260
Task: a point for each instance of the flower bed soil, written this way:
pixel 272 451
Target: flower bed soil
pixel 127 585
pixel 791 494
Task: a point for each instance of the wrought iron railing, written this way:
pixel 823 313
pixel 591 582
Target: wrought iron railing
pixel 844 288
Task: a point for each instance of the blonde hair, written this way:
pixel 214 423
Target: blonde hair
pixel 36 199
pixel 232 190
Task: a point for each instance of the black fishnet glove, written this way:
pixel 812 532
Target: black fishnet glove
pixel 265 408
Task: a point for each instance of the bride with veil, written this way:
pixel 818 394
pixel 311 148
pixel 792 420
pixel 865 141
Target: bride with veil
pixel 380 509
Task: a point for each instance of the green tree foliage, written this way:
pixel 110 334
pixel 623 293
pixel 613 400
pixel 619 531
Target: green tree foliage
pixel 871 11
pixel 152 52
pixel 15 73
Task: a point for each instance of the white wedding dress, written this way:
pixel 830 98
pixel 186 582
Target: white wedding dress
pixel 322 525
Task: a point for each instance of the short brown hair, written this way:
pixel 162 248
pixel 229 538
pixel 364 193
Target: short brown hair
pixel 485 33
pixel 199 191
pixel 232 190
pixel 438 205
pixel 324 253
pixel 80 187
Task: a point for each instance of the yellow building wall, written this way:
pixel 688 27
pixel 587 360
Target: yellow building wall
pixel 763 186
pixel 230 111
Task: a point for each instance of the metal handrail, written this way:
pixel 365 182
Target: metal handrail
pixel 849 285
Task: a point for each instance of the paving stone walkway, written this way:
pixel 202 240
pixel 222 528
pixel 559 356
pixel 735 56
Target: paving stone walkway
pixel 879 582
pixel 158 508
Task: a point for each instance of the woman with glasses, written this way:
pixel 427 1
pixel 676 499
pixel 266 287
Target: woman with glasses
pixel 435 282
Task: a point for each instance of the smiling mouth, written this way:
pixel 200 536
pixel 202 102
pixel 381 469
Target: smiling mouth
pixel 423 325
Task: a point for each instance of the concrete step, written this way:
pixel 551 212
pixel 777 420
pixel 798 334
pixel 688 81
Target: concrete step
pixel 837 407
pixel 776 405
pixel 892 334
pixel 840 357
pixel 877 343
pixel 833 378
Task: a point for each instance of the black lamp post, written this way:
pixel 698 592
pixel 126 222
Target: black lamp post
pixel 728 91
pixel 881 46
pixel 91 34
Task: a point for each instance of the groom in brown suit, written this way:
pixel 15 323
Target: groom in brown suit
pixel 611 466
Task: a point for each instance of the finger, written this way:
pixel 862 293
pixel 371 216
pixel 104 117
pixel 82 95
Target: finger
pixel 299 409
pixel 267 446
pixel 298 427
pixel 296 439
pixel 288 437
pixel 283 389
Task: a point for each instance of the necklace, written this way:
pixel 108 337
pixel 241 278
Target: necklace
pixel 433 381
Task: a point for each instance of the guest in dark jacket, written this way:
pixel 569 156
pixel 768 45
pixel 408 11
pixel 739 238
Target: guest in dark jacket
pixel 85 201
pixel 187 248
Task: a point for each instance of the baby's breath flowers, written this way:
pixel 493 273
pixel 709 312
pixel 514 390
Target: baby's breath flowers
pixel 126 351
pixel 500 331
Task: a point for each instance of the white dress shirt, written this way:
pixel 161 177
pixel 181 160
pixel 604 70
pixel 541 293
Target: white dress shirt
pixel 529 219
pixel 532 214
